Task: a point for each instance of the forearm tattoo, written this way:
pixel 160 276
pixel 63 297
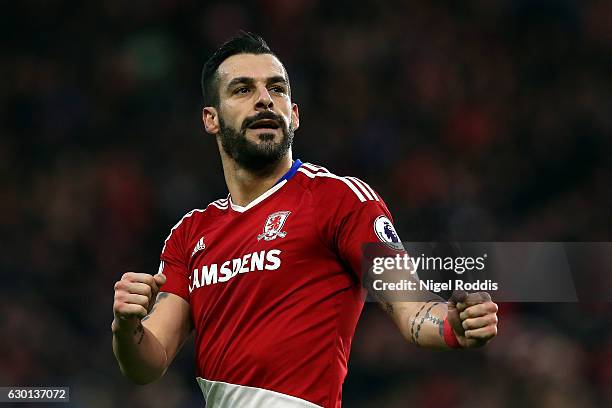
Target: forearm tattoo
pixel 139 330
pixel 440 323
pixel 388 307
pixel 427 316
pixel 160 297
pixel 414 319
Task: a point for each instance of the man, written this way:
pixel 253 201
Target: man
pixel 269 277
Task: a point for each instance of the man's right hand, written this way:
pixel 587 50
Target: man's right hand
pixel 135 295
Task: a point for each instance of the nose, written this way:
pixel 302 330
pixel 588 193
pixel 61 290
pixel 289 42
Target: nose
pixel 264 100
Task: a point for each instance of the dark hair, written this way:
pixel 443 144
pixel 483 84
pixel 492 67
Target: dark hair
pixel 243 43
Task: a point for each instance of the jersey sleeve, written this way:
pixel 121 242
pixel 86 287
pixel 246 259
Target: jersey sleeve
pixel 173 263
pixel 358 219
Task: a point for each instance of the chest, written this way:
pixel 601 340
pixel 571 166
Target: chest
pixel 278 235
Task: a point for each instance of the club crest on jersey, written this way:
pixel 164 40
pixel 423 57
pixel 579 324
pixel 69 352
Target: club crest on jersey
pixel 386 233
pixel 274 225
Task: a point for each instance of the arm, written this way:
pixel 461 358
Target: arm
pixel 430 321
pixel 147 336
pixel 427 320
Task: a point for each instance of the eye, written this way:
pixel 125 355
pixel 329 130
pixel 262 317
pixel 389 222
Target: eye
pixel 279 89
pixel 241 90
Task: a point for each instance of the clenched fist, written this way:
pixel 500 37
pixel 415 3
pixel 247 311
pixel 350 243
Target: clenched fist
pixel 135 295
pixel 473 318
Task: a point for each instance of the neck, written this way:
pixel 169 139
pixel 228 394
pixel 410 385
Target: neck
pixel 245 186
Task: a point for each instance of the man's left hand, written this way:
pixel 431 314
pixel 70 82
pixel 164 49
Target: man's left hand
pixel 473 318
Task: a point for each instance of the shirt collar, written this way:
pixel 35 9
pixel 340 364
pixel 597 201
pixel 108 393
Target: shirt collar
pixel 291 172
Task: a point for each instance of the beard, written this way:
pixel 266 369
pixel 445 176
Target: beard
pixel 255 156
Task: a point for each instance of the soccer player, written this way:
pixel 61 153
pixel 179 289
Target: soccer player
pixel 269 277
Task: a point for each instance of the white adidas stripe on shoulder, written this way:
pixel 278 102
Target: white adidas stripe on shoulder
pixel 361 189
pixel 370 193
pixel 221 204
pixel 314 167
pixel 330 175
pixel 189 214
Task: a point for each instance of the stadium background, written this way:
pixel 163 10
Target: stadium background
pixel 485 120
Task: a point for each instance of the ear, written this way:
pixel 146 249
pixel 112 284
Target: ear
pixel 210 118
pixel 295 116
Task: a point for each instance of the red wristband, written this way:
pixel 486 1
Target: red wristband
pixel 449 335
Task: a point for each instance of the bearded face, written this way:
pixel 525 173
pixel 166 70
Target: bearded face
pixel 260 150
pixel 254 120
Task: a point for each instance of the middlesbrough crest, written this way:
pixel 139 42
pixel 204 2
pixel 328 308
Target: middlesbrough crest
pixel 274 225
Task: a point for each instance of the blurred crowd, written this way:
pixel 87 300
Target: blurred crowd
pixel 475 120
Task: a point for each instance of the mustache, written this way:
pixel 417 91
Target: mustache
pixel 264 115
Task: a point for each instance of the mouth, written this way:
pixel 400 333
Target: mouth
pixel 268 124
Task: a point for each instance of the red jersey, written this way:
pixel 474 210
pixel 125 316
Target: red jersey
pixel 274 287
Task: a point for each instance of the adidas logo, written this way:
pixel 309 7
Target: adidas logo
pixel 199 246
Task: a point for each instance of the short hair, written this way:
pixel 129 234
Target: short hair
pixel 243 43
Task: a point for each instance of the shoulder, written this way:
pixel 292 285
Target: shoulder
pixel 213 208
pixel 195 217
pixel 325 184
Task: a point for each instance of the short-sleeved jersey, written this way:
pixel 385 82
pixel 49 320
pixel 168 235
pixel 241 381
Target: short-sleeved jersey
pixel 274 287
